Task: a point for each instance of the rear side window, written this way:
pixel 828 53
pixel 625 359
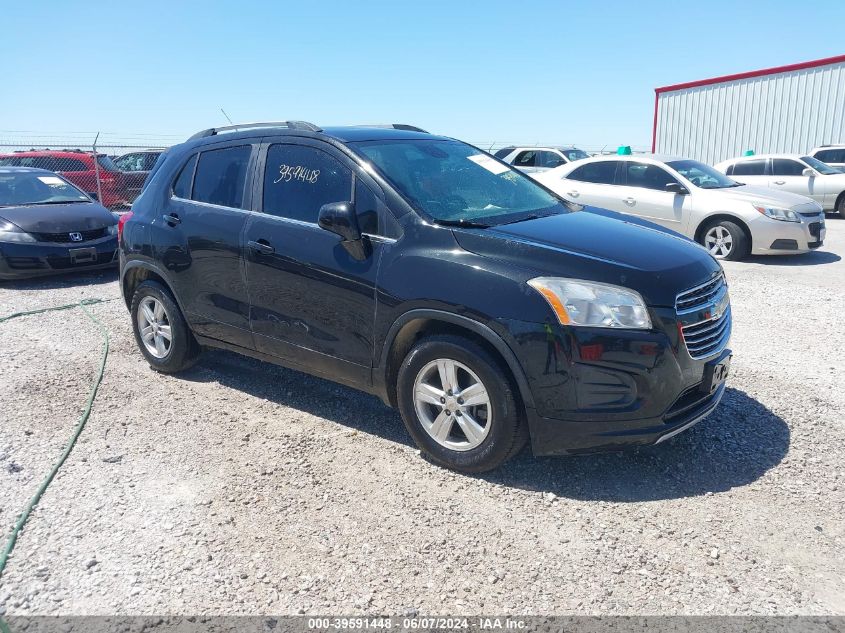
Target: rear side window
pixel 831 155
pixel 600 172
pixel 525 159
pixel 298 180
pixel 749 168
pixel 501 153
pixel 786 167
pixel 182 185
pixel 221 175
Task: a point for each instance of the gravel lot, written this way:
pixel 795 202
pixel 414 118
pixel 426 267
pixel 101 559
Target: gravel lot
pixel 241 487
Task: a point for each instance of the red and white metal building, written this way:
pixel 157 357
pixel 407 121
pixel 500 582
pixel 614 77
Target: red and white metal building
pixel 784 109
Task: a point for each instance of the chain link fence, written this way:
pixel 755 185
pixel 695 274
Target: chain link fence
pixel 113 167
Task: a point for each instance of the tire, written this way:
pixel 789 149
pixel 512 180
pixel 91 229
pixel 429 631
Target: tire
pixel 495 431
pixel 182 350
pixel 840 205
pixel 735 244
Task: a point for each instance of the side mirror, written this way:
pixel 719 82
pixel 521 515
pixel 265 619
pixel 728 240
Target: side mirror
pixel 340 218
pixel 809 172
pixel 677 188
pixel 93 195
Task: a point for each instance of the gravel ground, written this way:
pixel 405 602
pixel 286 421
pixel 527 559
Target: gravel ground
pixel 241 487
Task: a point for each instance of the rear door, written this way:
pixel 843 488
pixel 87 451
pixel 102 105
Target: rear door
pixel 787 174
pixel 643 192
pixel 312 303
pixel 199 239
pixel 594 183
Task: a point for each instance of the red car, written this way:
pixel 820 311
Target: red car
pixel 77 166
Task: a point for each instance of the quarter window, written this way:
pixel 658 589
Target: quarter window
pixel 831 155
pixel 221 175
pixel 601 172
pixel 786 167
pixel 749 168
pixel 182 186
pixel 298 180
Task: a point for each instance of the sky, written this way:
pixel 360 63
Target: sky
pixel 487 72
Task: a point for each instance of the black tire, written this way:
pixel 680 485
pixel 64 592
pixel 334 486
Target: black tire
pixel 183 348
pixel 840 205
pixel 741 243
pixel 507 433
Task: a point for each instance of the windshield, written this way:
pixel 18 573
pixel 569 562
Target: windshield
pixel 453 182
pixel 702 175
pixel 822 168
pixel 574 154
pixel 18 189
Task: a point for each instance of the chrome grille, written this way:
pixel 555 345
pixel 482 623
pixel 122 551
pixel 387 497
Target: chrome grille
pixel 704 313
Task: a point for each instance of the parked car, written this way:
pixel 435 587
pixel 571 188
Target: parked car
pixel 77 167
pixel 47 225
pixel 729 219
pixel 794 173
pixel 833 155
pixel 423 270
pixel 538 159
pixel 135 167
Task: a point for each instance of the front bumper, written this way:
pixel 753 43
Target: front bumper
pixel 600 390
pixel 774 237
pixel 21 260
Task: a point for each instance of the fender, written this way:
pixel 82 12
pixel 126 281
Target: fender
pixel 153 267
pixel 484 331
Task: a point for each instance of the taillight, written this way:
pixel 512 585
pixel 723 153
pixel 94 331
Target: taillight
pixel 120 223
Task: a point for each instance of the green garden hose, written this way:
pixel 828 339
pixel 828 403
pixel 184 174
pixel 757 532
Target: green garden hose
pixel 80 425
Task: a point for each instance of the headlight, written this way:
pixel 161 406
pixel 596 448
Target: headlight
pixel 777 213
pixel 10 233
pixel 587 303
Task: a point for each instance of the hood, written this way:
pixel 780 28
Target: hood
pixel 59 218
pixel 764 195
pixel 599 245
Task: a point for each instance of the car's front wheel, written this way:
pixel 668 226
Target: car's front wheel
pixel 840 205
pixel 458 404
pixel 160 329
pixel 725 240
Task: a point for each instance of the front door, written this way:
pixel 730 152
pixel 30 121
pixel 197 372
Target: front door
pixel 787 174
pixel 312 302
pixel 643 192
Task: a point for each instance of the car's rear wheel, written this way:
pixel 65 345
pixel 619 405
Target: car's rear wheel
pixel 458 404
pixel 840 205
pixel 725 240
pixel 160 329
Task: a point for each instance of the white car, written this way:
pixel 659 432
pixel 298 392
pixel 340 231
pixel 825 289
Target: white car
pixel 794 173
pixel 728 218
pixel 833 155
pixel 538 159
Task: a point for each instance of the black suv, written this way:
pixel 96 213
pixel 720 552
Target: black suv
pixel 426 271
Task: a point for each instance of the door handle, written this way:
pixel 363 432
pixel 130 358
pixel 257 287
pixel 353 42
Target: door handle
pixel 630 202
pixel 780 182
pixel 574 194
pixel 172 219
pixel 262 246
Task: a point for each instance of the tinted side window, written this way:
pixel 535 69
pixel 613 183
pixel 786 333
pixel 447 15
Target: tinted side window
pixel 831 155
pixel 750 168
pixel 786 167
pixel 525 159
pixel 601 172
pixel 69 164
pixel 549 159
pixel 182 184
pixel 220 176
pixel 647 176
pixel 298 180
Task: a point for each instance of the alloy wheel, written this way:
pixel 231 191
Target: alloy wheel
pixel 718 241
pixel 452 404
pixel 154 326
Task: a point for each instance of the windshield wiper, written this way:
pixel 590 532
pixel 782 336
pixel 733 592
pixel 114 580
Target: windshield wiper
pixel 57 202
pixel 467 224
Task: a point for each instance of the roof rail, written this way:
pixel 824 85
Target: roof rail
pixel 291 125
pixel 397 126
